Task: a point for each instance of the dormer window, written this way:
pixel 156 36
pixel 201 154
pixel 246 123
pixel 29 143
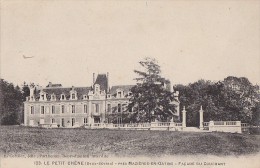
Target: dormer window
pixel 43 96
pixel 53 97
pixel 62 97
pixel 108 96
pixel 85 97
pixel 119 93
pixel 31 98
pixel 73 96
pixel 97 88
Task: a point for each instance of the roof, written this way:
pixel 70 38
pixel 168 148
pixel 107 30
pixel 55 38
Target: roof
pixel 58 91
pixel 125 88
pixel 102 81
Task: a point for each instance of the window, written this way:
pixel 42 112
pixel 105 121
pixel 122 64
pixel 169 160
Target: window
pixel 129 93
pixel 119 108
pixel 53 109
pixel 73 96
pixel 97 108
pixel 119 120
pixel 42 97
pixel 32 110
pixel 42 109
pixel 52 120
pixel 85 108
pixel 108 107
pixel 62 122
pixel 62 97
pixel 73 121
pixel 62 108
pixel 52 97
pixel 119 94
pixel 73 109
pixel 85 120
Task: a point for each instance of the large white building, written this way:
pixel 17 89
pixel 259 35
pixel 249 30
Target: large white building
pixel 77 106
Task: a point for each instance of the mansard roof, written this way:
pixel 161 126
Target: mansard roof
pixel 102 81
pixel 66 91
pixel 125 88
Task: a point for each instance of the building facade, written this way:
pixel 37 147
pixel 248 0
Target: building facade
pixel 77 106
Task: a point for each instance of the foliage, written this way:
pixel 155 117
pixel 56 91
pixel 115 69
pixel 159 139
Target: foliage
pixel 11 103
pixel 117 118
pixel 150 98
pixel 256 114
pixel 232 99
pixel 25 91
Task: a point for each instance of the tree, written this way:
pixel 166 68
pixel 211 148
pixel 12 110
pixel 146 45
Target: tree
pixel 150 98
pixel 11 103
pixel 256 115
pixel 231 99
pixel 25 91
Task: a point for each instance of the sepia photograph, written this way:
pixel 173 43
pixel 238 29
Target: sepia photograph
pixel 149 83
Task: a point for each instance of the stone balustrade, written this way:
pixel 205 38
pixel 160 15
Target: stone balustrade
pixel 225 126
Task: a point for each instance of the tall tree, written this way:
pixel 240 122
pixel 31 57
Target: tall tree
pixel 11 103
pixel 150 97
pixel 25 91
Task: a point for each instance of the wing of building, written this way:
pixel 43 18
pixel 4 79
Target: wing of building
pixel 77 106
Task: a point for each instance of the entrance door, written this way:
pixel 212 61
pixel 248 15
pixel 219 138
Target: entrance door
pixel 96 119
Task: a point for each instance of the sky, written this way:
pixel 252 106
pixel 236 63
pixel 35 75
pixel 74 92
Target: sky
pixel 69 40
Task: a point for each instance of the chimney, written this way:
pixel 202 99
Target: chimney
pixel 107 82
pixel 50 84
pixel 93 79
pixel 32 88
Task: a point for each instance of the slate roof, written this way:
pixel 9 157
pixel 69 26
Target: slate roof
pixel 125 88
pixel 102 81
pixel 58 91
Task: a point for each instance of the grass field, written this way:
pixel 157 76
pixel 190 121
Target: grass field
pixel 16 140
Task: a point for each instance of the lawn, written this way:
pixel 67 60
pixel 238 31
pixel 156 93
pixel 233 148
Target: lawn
pixel 18 140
